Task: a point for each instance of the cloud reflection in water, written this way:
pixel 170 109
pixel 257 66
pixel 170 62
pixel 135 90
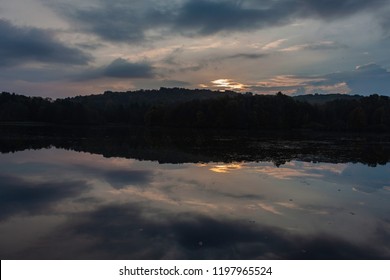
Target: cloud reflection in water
pixel 134 231
pixel 128 209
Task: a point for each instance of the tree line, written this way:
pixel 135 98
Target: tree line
pixel 184 108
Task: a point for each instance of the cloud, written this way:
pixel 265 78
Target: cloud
pixel 332 9
pixel 365 79
pixel 21 45
pixel 34 74
pixel 130 22
pixel 119 21
pixel 121 68
pixel 273 45
pixel 210 17
pixel 288 84
pixel 228 84
pixel 385 22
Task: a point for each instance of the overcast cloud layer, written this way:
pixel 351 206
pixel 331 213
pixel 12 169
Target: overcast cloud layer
pixel 65 48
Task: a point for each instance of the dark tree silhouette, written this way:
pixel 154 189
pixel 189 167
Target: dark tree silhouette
pixel 186 108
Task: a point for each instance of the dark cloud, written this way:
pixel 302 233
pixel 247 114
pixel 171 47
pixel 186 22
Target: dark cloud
pixel 209 17
pixel 25 44
pixel 121 68
pixel 385 22
pixel 331 9
pixel 365 79
pixel 124 21
pixel 32 74
pixel 90 46
pixel 118 21
pixel 18 196
pixel 111 22
pixel 136 232
pixel 369 79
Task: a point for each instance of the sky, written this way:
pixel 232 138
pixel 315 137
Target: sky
pixel 60 48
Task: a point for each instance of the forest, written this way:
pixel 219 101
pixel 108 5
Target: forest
pixel 201 108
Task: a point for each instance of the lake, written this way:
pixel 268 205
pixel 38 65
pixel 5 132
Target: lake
pixel 71 193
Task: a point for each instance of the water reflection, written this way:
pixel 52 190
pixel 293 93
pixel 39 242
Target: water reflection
pixel 60 204
pixel 200 146
pixel 30 197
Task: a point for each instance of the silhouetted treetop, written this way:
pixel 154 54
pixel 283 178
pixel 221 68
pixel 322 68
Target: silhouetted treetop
pixel 202 108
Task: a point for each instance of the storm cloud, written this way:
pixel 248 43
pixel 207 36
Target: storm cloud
pixel 121 68
pixel 364 79
pixel 129 22
pixel 20 45
pixel 209 17
pixel 331 9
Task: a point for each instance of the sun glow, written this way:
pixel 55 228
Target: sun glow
pixel 228 84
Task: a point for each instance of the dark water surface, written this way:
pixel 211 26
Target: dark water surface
pixel 70 193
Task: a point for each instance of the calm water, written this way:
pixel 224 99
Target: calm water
pixel 62 204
